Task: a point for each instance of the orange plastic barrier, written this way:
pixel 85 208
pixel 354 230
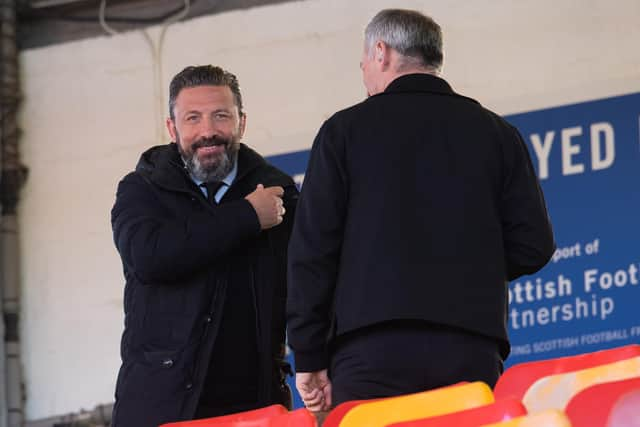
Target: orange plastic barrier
pixel 419 405
pixel 515 381
pixel 337 414
pixel 501 410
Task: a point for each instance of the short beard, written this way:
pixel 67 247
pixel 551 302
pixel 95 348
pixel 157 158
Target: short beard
pixel 212 169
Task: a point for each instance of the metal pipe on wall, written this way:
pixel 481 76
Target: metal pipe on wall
pixel 12 178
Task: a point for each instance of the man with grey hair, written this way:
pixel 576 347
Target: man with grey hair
pixel 418 206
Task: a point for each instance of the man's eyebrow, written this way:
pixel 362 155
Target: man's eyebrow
pixel 217 110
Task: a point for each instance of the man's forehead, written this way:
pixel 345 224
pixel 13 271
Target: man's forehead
pixel 205 91
pixel 204 96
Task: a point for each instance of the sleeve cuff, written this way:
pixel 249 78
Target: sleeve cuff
pixel 311 361
pixel 245 214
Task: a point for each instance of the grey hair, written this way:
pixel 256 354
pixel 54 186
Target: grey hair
pixel 416 37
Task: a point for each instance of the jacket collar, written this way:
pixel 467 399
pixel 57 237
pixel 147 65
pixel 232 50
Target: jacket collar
pixel 420 82
pixel 163 165
pixel 248 160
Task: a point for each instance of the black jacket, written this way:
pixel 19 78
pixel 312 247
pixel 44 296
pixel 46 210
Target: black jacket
pixel 418 203
pixel 179 253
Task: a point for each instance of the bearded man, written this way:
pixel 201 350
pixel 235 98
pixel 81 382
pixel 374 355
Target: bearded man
pixel 202 227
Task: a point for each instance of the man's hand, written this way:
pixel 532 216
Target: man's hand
pixel 267 203
pixel 315 390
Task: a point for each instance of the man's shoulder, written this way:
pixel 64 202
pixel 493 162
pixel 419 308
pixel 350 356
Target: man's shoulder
pixel 133 180
pixel 343 119
pixel 157 156
pixel 499 120
pixel 150 159
pixel 348 113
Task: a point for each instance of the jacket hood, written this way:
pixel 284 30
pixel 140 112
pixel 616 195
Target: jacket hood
pixel 163 163
pixel 157 155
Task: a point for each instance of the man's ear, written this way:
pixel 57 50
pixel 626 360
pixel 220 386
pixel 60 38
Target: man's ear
pixel 171 127
pixel 379 51
pixel 382 55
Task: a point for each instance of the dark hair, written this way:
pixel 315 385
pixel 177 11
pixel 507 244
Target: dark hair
pixel 417 37
pixel 203 75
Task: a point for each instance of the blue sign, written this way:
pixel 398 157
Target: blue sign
pixel 294 164
pixel 587 157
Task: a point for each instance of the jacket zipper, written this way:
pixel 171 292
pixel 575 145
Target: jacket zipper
pixel 207 342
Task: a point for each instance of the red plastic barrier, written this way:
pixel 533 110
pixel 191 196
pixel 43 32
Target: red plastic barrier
pixel 256 414
pixel 517 379
pixel 592 406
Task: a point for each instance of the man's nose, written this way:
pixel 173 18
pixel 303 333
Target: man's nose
pixel 208 128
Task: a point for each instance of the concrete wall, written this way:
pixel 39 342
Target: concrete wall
pixel 92 106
